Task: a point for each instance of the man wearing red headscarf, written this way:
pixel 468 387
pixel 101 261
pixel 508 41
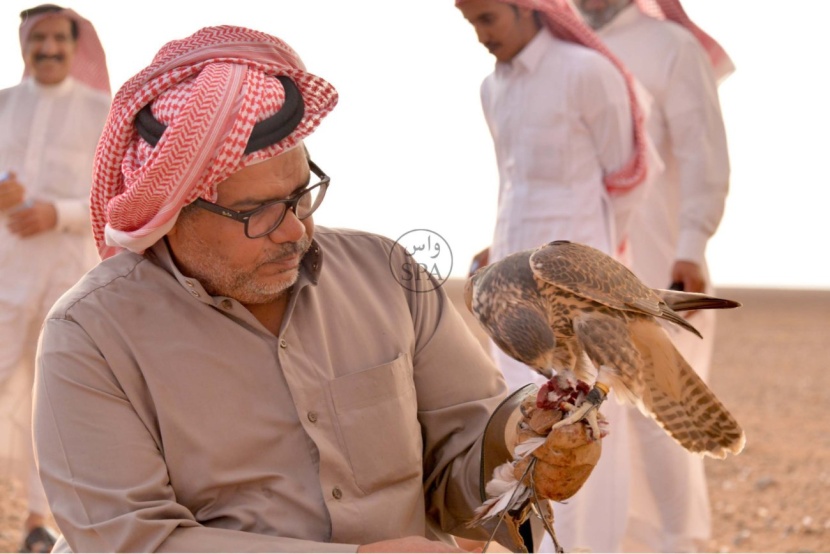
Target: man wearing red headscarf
pixel 232 377
pixel 567 124
pixel 680 65
pixel 574 162
pixel 49 126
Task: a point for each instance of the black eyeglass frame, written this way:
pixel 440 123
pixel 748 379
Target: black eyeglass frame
pixel 290 202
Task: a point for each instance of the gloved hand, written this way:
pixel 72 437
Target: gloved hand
pixel 567 457
pixel 519 433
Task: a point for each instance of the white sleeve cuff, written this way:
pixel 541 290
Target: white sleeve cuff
pixel 73 216
pixel 691 246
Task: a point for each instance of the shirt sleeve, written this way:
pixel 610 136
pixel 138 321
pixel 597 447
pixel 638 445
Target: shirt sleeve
pixel 73 215
pixel 606 111
pixel 698 142
pixel 111 492
pixel 73 211
pixel 486 95
pixel 604 105
pixel 458 387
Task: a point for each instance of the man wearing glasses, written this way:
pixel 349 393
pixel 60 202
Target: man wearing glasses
pixel 230 378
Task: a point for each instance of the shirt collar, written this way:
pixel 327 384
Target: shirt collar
pixel 60 89
pixel 312 264
pixel 530 56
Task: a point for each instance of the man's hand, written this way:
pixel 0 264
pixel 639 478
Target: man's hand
pixel 691 275
pixel 480 260
pixel 33 220
pixel 409 544
pixel 11 192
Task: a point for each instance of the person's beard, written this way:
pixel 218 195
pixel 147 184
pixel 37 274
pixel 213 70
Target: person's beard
pixel 599 18
pixel 216 274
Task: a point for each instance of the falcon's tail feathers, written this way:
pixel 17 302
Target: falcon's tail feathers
pixel 678 399
pixel 680 301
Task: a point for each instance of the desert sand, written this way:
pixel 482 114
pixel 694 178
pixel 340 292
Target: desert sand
pixel 769 370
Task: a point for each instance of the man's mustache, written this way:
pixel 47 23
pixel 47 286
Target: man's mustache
pixel 285 250
pixel 44 57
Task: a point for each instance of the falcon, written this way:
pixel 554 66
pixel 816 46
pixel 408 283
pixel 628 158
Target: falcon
pixel 568 310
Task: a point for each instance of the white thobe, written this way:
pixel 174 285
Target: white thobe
pixel 560 119
pixel 669 500
pixel 48 136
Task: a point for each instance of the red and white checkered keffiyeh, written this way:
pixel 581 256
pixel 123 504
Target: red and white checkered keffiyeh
pixel 90 63
pixel 209 89
pixel 563 22
pixel 673 11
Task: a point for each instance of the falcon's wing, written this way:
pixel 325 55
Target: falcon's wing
pixel 607 342
pixel 592 274
pixel 644 368
pixel 589 273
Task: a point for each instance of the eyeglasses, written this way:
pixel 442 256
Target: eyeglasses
pixel 264 219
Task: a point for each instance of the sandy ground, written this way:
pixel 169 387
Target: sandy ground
pixel 769 370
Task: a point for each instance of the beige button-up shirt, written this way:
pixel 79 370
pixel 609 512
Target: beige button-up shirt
pixel 167 419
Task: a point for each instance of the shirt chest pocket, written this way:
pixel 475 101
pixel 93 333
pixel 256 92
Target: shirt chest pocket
pixel 377 412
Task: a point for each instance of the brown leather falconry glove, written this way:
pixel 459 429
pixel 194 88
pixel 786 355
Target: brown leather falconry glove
pixel 519 434
pixel 566 458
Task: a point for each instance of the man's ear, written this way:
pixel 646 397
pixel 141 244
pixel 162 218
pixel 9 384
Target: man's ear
pixel 528 14
pixel 174 230
pixel 173 233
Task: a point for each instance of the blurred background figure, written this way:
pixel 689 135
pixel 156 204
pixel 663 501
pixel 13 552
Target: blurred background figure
pixel 574 163
pixel 680 66
pixel 49 127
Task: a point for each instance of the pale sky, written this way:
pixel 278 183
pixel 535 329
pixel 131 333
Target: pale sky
pixel 407 147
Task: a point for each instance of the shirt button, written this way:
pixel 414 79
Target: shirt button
pixel 337 493
pixel 189 283
pixel 195 293
pixel 227 304
pixel 312 417
pixel 283 343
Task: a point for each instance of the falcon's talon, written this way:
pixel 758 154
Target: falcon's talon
pixel 587 410
pixel 583 411
pixel 591 418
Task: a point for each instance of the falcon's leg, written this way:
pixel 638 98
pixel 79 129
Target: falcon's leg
pixel 587 410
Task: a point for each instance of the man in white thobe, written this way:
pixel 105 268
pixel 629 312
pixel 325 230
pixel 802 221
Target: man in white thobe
pixel 670 509
pixel 49 127
pixel 560 115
